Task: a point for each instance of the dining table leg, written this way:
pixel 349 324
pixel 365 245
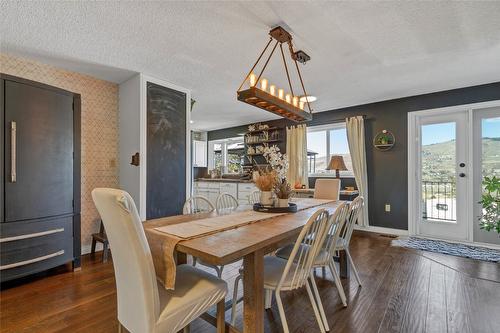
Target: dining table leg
pixel 253 293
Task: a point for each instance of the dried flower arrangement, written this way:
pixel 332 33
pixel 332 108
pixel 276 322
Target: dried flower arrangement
pixel 266 180
pixel 282 189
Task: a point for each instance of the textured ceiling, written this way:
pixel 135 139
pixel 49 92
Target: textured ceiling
pixel 361 51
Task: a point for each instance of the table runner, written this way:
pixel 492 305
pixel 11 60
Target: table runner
pixel 165 238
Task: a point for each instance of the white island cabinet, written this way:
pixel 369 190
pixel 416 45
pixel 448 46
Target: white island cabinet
pixel 212 189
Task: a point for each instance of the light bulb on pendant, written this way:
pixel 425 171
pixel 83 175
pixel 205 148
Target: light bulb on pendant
pixel 295 101
pixel 288 98
pixel 301 105
pixel 272 89
pixel 253 79
pixel 263 84
pixel 281 93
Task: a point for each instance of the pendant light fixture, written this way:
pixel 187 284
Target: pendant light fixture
pixel 261 93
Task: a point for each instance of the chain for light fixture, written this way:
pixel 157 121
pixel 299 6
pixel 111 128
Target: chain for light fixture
pixel 272 99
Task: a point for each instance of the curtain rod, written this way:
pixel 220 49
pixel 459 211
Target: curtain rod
pixel 334 121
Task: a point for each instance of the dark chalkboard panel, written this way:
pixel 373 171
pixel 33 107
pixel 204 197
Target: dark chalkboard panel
pixel 166 151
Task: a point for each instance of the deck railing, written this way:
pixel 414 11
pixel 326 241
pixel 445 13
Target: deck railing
pixel 439 200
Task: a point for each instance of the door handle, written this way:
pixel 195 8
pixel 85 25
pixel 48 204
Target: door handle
pixel 13 147
pixel 461 174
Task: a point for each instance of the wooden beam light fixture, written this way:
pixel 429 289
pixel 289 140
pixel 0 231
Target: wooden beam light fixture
pixel 263 95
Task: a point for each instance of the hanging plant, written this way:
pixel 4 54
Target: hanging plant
pixel 490 202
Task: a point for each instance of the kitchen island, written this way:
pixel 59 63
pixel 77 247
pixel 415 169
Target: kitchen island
pixel 210 188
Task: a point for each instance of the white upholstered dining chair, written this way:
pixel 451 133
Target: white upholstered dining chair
pixel 144 306
pixel 226 201
pixel 327 189
pixel 296 272
pixel 327 252
pixel 197 204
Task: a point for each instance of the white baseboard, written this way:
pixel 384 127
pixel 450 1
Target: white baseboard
pixel 382 230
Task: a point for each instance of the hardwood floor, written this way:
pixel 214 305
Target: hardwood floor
pixel 403 291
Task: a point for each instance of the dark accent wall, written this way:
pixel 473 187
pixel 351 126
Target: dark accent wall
pixel 387 171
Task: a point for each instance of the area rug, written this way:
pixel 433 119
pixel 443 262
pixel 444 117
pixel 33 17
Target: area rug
pixel 459 250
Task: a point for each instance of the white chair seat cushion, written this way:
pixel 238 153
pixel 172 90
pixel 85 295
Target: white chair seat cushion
pixel 321 259
pixel 273 270
pixel 195 291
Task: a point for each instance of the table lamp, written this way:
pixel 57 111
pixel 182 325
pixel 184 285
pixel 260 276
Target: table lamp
pixel 337 164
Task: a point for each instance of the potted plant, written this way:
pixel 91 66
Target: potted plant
pixel 490 202
pixel 283 191
pixel 265 181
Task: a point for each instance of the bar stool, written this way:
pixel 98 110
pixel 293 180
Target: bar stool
pixel 101 237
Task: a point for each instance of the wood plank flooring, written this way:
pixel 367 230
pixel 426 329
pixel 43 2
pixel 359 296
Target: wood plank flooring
pixel 403 290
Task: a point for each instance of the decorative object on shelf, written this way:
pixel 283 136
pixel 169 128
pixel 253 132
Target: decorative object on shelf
pixel 384 140
pixel 251 128
pixel 337 164
pixel 259 95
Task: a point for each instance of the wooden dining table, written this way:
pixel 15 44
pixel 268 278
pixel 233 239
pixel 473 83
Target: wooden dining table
pixel 249 242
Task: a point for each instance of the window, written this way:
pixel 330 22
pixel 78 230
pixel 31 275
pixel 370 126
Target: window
pixel 226 155
pixel 324 142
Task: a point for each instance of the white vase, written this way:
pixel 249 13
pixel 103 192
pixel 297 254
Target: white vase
pixel 282 203
pixel 266 198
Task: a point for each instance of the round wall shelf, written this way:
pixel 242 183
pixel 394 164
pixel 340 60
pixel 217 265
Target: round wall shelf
pixel 384 140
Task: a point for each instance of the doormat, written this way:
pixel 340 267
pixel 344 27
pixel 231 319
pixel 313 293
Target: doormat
pixel 454 249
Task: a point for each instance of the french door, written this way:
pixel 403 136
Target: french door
pixel 442 172
pixel 450 151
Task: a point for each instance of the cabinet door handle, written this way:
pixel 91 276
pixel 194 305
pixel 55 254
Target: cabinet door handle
pixel 13 147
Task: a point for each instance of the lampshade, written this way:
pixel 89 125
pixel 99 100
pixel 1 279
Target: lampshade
pixel 336 163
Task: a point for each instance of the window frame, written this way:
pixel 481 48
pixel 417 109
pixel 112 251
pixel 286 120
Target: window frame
pixel 327 128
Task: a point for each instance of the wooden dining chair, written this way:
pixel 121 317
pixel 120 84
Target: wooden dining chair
pixel 254 197
pixel 327 189
pixel 226 201
pixel 355 208
pixel 143 305
pixel 197 204
pixel 327 252
pixel 296 272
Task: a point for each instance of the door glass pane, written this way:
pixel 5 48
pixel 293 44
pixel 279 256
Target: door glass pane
pixel 439 172
pixel 490 140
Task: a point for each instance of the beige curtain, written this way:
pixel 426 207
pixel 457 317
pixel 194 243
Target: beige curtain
pixel 296 151
pixel 356 137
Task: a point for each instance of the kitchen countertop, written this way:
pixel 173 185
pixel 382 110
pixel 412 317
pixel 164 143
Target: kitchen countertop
pixel 222 180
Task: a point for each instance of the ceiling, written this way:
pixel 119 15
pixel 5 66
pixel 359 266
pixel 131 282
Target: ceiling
pixel 361 51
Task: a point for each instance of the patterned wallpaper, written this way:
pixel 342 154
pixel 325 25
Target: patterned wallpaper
pixel 99 128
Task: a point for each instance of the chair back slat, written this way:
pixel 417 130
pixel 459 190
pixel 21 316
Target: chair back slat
pixel 226 201
pixel 197 204
pixel 336 226
pixel 355 208
pixel 254 197
pixel 305 250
